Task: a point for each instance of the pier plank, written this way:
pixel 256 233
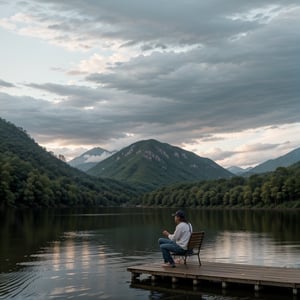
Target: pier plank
pixel 226 272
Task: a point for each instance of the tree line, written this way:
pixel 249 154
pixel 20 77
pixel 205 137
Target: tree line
pixel 278 188
pixel 23 185
pixel 32 177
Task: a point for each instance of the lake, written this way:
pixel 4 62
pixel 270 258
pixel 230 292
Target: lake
pixel 84 253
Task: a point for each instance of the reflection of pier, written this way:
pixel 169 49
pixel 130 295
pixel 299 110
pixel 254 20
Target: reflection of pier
pixel 224 273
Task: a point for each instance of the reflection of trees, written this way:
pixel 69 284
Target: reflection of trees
pixel 126 230
pixel 281 223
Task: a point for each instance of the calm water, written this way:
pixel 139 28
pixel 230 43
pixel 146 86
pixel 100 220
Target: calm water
pixel 84 254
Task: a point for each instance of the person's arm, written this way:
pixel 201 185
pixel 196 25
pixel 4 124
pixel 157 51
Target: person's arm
pixel 176 235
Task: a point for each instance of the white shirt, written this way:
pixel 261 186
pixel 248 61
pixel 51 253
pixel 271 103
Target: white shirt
pixel 182 234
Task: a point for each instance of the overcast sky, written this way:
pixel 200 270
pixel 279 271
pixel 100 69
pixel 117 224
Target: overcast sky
pixel 219 78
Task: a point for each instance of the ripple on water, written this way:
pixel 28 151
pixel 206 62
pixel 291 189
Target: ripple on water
pixel 14 283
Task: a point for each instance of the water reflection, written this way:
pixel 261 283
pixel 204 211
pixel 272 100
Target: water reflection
pixel 63 254
pixel 248 248
pixel 165 290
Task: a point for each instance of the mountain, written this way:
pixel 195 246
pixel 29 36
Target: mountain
pixel 155 163
pixel 89 159
pixel 235 170
pixel 286 160
pixel 31 176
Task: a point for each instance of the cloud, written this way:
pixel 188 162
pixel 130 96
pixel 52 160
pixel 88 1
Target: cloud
pixel 139 23
pixel 96 158
pixel 219 154
pixel 254 76
pixel 70 122
pixel 178 72
pixel 6 84
pixel 161 23
pixel 258 147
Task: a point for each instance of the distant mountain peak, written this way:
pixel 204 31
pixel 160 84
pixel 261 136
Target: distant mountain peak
pixel 156 163
pixel 236 170
pixel 90 158
pixel 285 160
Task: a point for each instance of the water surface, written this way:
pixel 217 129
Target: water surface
pixel 84 254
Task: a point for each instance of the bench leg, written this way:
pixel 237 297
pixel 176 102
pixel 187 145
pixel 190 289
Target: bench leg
pixel 199 260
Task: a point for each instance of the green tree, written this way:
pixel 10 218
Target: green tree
pixel 6 178
pixel 266 193
pixel 247 195
pixel 289 188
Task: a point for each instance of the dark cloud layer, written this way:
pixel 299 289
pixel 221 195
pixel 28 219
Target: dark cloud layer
pixel 5 84
pixel 202 67
pixel 173 22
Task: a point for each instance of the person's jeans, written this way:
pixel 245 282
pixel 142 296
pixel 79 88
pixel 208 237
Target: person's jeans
pixel 167 247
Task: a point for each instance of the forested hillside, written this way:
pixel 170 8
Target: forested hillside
pixel 30 176
pixel 280 188
pixel 157 164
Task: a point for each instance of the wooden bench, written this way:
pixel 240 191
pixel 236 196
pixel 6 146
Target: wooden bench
pixel 193 247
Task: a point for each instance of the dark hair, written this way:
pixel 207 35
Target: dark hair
pixel 184 220
pixel 181 215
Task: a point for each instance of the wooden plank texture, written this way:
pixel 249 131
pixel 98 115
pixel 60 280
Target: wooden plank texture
pixel 225 272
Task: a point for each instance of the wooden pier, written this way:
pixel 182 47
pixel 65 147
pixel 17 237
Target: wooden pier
pixel 224 273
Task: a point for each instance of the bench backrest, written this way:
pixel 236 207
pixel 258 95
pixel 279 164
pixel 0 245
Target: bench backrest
pixel 195 241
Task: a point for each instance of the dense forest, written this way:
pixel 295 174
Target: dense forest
pixel 23 185
pixel 280 188
pixel 32 177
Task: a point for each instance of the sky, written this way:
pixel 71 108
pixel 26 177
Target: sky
pixel 219 78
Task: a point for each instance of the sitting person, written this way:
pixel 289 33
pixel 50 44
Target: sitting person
pixel 176 242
